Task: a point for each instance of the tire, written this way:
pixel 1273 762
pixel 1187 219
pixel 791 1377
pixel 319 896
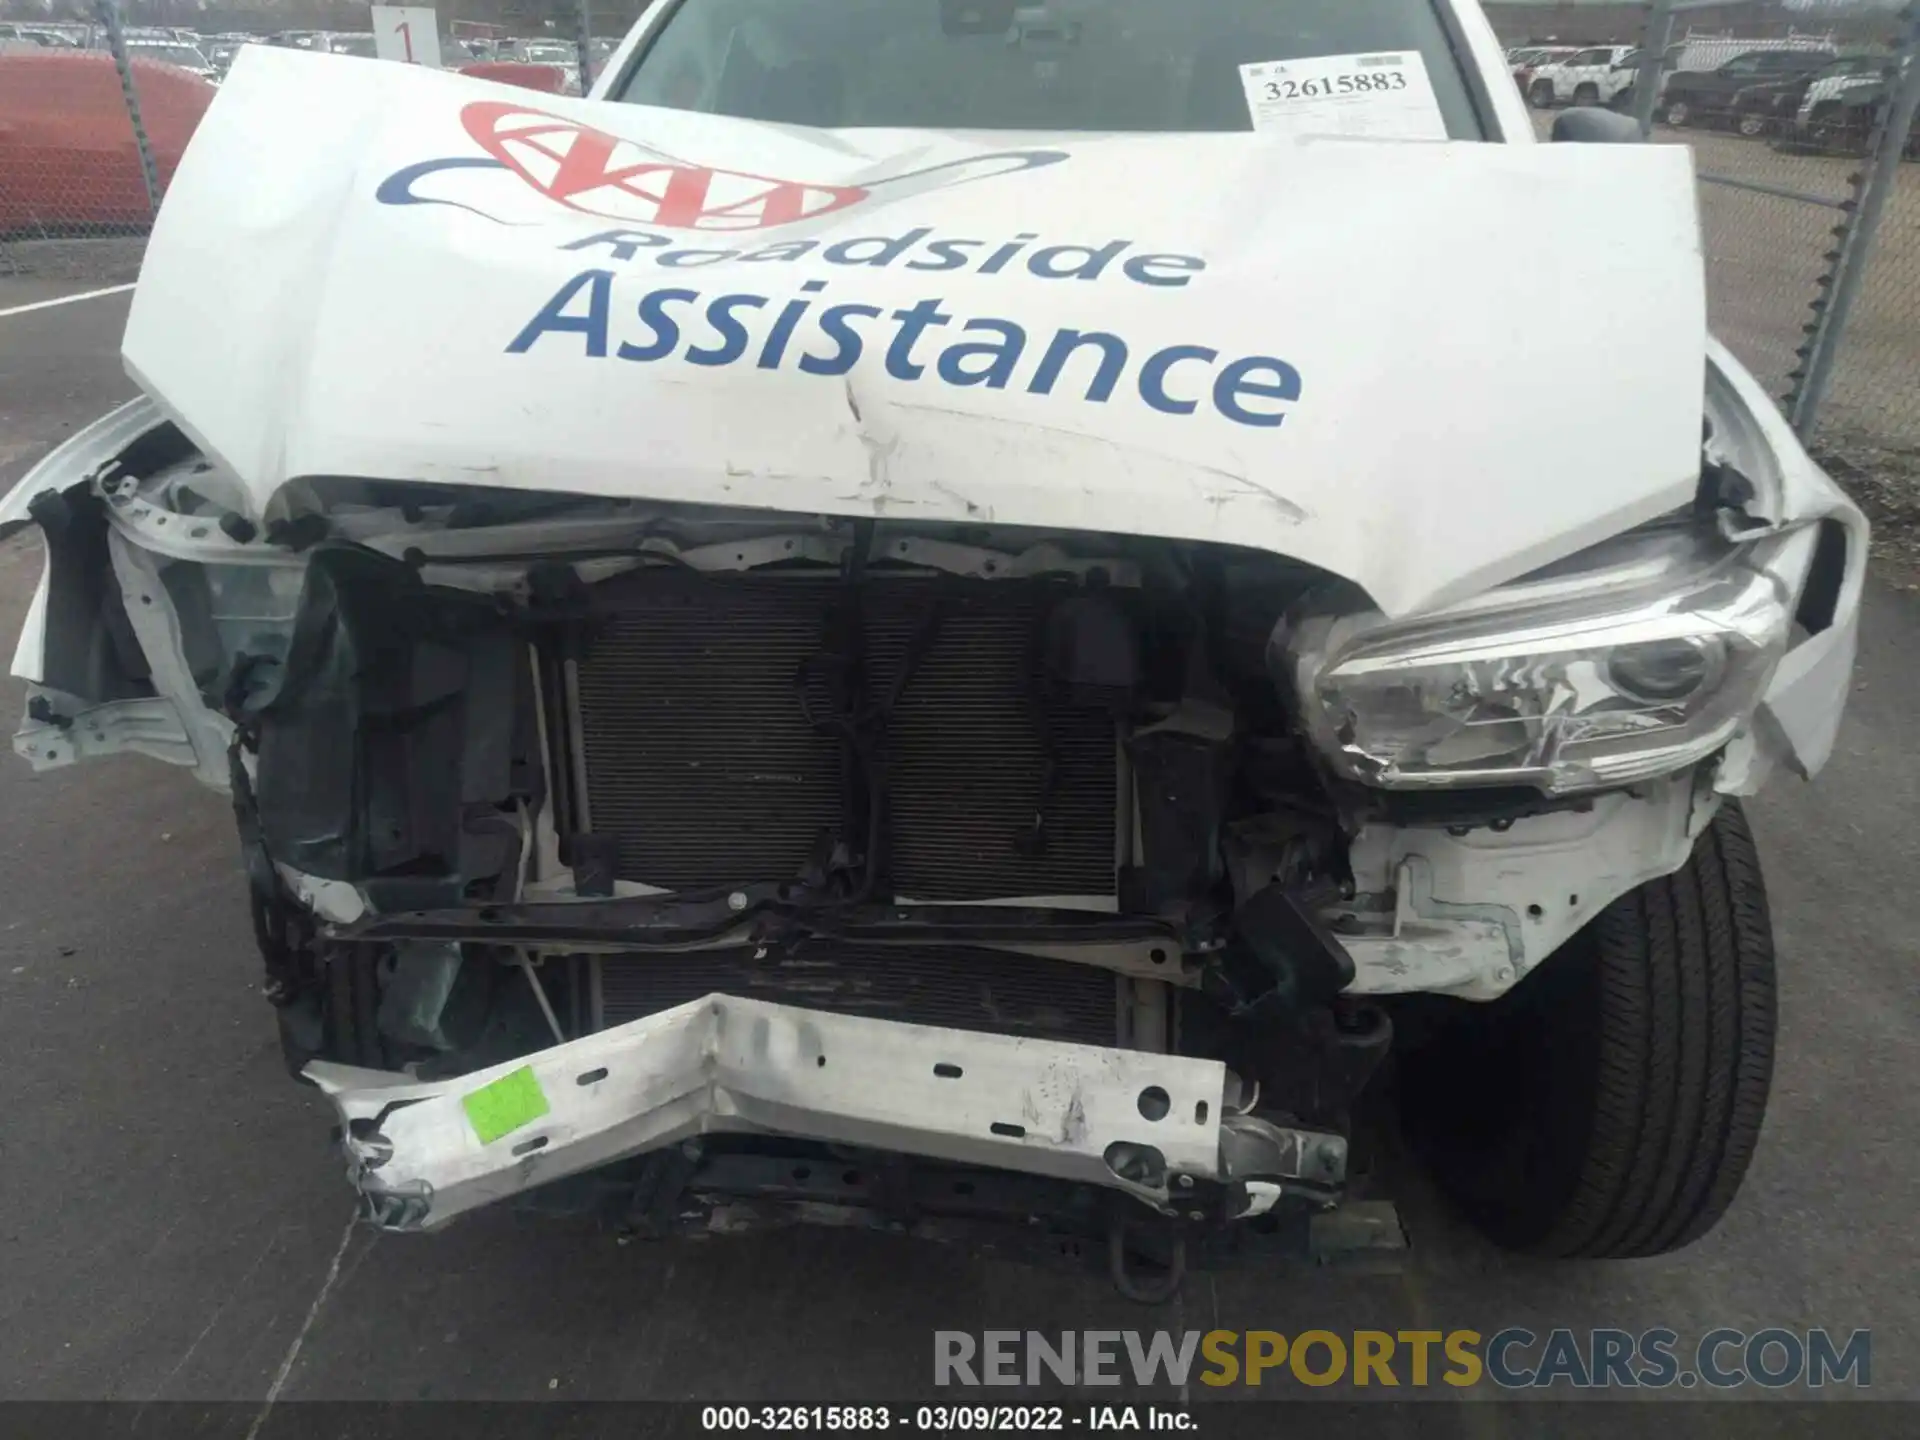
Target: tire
pixel 1608 1106
pixel 1751 126
pixel 1541 95
pixel 1823 124
pixel 1586 94
pixel 1679 114
pixel 1836 129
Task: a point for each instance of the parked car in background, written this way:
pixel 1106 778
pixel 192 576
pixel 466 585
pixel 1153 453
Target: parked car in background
pixel 1840 87
pixel 1703 55
pixel 547 79
pixel 1586 77
pixel 220 55
pixel 562 54
pixel 1769 107
pixel 1706 97
pixel 67 158
pixel 1528 59
pixel 1839 114
pixel 346 42
pixel 177 53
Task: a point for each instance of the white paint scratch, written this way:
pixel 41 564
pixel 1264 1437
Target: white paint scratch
pixel 313 1314
pixel 273 1243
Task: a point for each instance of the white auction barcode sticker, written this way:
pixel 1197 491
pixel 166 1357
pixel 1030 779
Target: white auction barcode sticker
pixel 1388 96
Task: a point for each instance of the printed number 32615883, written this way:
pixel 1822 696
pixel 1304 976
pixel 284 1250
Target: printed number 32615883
pixel 1369 82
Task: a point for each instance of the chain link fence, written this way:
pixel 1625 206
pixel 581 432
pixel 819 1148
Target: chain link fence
pixel 95 114
pixel 1802 127
pixel 1858 399
pixel 90 129
pixel 1768 220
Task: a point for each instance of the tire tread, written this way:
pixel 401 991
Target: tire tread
pixel 1687 1016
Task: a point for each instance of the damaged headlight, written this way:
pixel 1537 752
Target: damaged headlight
pixel 1619 667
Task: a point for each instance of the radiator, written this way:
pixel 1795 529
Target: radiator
pixel 951 986
pixel 699 763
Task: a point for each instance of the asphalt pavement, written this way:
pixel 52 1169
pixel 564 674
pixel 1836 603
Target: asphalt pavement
pixel 175 1226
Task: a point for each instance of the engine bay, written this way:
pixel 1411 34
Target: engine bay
pixel 894 867
pixel 930 778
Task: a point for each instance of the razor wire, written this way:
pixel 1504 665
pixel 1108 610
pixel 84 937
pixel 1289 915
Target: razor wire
pixel 1859 385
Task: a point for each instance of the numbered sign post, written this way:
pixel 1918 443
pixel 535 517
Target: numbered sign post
pixel 407 33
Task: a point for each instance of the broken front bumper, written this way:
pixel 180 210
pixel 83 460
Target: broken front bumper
pixel 1156 1127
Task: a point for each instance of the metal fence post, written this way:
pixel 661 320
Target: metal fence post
pixel 117 42
pixel 1874 183
pixel 583 41
pixel 1653 54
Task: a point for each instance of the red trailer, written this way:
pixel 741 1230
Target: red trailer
pixel 68 163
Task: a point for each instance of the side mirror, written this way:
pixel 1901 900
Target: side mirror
pixel 1588 125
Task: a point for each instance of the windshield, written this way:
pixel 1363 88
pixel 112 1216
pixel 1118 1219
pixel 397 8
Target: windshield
pixel 184 56
pixel 1851 65
pixel 352 45
pixel 1116 65
pixel 553 54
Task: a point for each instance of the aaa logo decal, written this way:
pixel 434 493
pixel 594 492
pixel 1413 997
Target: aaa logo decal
pixel 591 171
pixel 588 171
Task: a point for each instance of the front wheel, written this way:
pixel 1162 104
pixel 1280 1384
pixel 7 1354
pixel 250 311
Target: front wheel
pixel 1679 114
pixel 1608 1106
pixel 1752 126
pixel 1541 95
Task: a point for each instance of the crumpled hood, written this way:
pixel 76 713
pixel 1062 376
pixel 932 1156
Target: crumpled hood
pixel 1424 367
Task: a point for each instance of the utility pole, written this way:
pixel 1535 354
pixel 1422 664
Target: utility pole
pixel 1653 55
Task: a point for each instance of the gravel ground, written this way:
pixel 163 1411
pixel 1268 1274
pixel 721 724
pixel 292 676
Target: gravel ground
pixel 107 261
pixel 1886 485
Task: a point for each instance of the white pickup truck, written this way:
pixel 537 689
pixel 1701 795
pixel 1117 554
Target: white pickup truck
pixel 1586 77
pixel 911 616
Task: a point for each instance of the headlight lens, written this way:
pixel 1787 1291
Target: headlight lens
pixel 1563 687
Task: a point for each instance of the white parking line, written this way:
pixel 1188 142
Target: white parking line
pixel 66 300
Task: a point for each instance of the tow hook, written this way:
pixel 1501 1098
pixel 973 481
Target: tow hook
pixel 1156 1290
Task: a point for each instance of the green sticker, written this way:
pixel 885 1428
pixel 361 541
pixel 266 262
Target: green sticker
pixel 504 1106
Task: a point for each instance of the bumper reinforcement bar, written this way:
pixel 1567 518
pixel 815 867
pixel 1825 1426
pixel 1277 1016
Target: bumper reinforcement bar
pixel 1152 1126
